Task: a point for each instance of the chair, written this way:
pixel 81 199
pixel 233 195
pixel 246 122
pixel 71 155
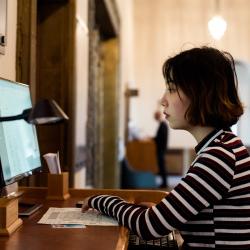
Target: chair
pixel 131 178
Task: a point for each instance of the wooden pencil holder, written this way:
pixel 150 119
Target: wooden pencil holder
pixel 9 221
pixel 58 186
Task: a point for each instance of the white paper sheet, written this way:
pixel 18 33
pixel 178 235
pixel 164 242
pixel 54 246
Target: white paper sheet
pixel 53 162
pixel 75 216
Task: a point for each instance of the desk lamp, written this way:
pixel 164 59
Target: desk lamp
pixel 44 112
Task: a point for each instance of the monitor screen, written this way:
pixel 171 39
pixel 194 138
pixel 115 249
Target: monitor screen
pixel 19 151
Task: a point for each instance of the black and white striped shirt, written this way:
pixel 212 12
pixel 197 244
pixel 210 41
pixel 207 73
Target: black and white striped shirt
pixel 210 206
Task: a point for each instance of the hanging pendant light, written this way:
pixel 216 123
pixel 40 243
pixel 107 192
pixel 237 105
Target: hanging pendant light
pixel 217 25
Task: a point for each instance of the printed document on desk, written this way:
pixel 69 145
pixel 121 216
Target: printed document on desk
pixel 75 216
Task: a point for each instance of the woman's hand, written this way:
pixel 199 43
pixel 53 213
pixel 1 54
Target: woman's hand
pixel 85 205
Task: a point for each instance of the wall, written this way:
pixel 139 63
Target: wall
pixel 163 28
pixel 81 88
pixel 125 9
pixel 8 60
pixel 242 128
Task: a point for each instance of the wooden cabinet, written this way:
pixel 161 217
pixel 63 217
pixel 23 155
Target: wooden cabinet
pixel 141 155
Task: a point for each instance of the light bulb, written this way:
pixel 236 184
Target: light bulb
pixel 217 27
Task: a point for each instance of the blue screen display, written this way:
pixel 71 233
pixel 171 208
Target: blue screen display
pixel 19 150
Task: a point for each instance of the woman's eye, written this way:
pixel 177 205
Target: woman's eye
pixel 171 90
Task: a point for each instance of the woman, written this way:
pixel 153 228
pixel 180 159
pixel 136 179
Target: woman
pixel 211 205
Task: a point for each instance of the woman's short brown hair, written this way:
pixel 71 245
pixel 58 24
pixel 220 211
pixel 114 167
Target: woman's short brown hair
pixel 207 77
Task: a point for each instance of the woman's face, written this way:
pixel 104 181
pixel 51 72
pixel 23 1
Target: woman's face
pixel 175 104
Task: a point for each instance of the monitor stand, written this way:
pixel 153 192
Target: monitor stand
pixel 10 191
pixel 9 220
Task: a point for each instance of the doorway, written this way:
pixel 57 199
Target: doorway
pixel 103 104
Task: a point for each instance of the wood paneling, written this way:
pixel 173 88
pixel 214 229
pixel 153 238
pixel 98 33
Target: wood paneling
pixel 45 60
pixel 26 44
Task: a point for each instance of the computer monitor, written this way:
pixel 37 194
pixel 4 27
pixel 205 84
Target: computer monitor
pixel 19 150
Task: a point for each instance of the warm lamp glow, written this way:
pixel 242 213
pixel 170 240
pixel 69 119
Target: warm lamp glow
pixel 217 27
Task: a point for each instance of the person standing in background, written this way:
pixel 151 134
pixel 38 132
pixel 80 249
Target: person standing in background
pixel 161 141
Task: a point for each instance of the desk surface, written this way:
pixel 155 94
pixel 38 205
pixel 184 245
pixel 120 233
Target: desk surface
pixel 35 236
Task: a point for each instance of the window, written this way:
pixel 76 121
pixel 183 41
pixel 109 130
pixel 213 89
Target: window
pixel 3 20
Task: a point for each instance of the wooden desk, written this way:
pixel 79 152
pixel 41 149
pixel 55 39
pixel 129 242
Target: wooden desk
pixel 43 237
